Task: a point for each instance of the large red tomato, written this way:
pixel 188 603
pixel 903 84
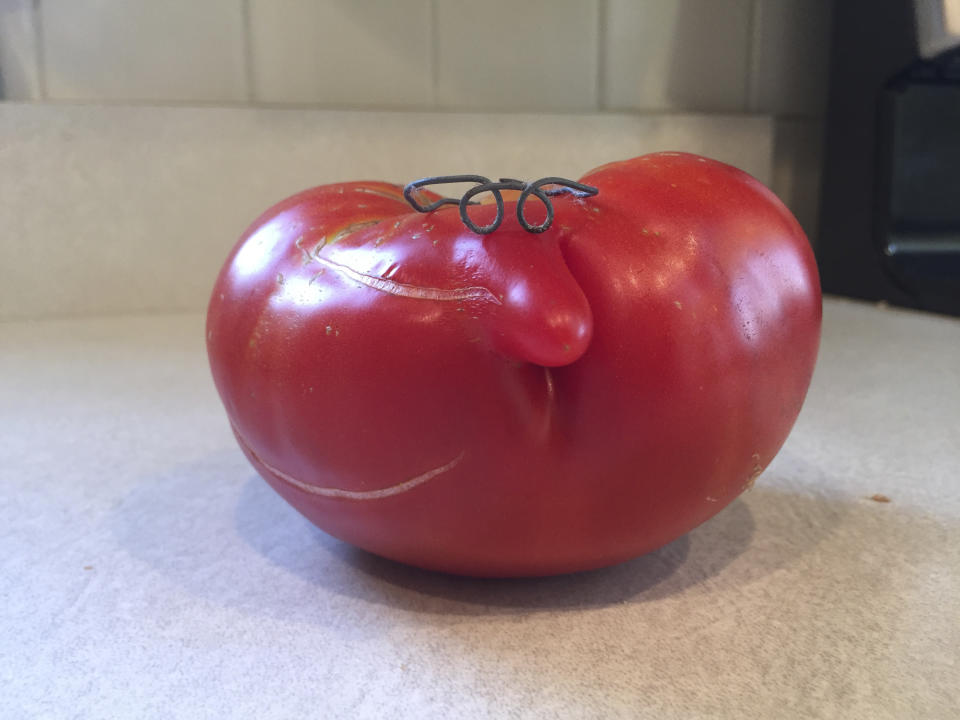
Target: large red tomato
pixel 517 403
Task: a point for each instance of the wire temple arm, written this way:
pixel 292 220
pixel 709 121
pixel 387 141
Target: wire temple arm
pixel 543 189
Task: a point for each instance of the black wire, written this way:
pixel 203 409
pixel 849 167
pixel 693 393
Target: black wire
pixel 484 184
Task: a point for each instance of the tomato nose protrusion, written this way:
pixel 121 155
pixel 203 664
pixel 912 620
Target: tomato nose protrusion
pixel 543 316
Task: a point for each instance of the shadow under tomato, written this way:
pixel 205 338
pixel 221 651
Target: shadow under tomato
pixel 219 531
pixel 811 556
pixel 686 561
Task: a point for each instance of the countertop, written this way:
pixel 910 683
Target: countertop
pixel 148 572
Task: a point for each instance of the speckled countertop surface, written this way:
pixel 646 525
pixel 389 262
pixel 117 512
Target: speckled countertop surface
pixel 148 572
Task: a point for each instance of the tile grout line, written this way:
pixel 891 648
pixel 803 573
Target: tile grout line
pixel 434 56
pixel 248 63
pixel 600 88
pixel 40 48
pixel 754 25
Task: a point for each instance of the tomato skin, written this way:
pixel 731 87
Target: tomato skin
pixel 518 404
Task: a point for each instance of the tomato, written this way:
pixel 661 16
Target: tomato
pixel 518 404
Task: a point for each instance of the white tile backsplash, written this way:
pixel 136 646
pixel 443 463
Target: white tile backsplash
pixel 175 50
pixel 649 55
pixel 342 52
pixel 580 56
pixel 790 56
pixel 681 54
pixel 502 54
pixel 19 54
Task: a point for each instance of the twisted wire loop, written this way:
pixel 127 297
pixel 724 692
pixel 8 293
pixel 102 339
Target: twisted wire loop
pixel 542 189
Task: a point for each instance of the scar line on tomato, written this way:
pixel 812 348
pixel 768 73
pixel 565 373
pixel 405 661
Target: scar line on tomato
pixel 396 195
pixel 411 291
pixel 402 487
